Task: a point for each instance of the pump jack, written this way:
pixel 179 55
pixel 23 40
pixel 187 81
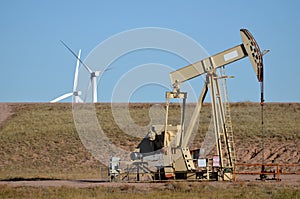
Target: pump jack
pixel 168 149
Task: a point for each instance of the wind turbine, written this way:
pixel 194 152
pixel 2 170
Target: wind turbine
pixel 93 75
pixel 75 93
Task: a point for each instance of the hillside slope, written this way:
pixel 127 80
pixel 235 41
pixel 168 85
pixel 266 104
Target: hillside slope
pixel 40 140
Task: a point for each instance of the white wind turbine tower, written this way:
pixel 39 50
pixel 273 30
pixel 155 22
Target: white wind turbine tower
pixel 93 82
pixel 75 92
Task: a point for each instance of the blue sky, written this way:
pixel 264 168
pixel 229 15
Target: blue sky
pixel 35 67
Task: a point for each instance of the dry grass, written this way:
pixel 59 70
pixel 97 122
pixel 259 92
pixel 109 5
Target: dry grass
pixel 40 140
pixel 170 190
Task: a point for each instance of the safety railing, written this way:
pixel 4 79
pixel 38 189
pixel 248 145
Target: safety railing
pixel 266 170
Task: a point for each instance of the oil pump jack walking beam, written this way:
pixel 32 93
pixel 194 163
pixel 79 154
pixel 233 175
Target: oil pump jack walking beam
pixel 208 66
pixel 249 48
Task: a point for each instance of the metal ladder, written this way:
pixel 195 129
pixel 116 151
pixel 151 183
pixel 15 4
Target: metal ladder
pixel 228 122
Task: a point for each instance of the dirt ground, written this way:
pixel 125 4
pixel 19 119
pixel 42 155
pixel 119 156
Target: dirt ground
pixel 286 180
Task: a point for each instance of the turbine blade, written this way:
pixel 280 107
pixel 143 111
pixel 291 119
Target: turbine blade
pixel 87 89
pixel 108 69
pixel 79 99
pixel 76 72
pixel 61 97
pixel 86 67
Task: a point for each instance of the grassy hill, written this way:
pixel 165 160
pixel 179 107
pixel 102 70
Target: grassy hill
pixel 40 140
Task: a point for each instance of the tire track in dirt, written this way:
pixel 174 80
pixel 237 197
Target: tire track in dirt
pixel 5 113
pixel 287 152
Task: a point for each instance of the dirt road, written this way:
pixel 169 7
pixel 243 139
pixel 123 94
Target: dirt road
pixel 290 180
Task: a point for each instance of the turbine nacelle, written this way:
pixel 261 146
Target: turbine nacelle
pixel 77 93
pixel 95 74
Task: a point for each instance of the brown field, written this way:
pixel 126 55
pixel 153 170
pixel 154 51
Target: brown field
pixel 39 144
